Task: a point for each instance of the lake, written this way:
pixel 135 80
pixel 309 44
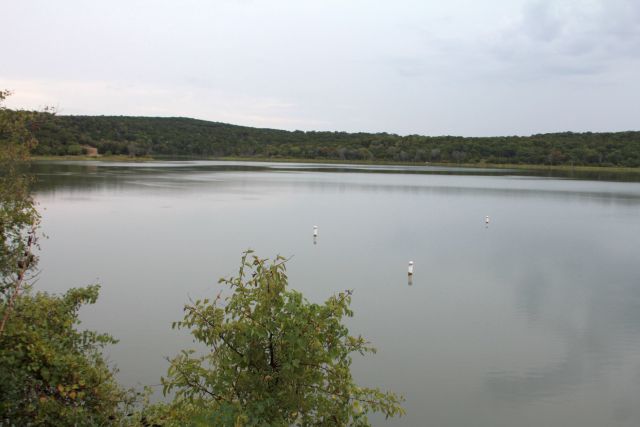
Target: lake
pixel 533 320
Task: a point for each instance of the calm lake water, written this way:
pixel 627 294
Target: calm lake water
pixel 532 321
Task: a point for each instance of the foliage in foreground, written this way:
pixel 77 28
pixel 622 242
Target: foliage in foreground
pixel 53 374
pixel 274 358
pixel 50 373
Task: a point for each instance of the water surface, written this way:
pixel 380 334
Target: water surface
pixel 531 321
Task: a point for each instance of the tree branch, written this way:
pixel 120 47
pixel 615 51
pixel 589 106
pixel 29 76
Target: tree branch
pixel 24 266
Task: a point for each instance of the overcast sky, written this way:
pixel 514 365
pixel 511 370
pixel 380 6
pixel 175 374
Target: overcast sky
pixel 433 67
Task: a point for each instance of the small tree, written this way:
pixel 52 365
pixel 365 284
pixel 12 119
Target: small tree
pixel 275 359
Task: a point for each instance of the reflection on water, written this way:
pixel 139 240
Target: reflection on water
pixel 193 176
pixel 533 319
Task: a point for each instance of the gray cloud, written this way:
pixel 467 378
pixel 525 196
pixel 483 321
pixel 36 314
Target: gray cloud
pixel 540 23
pixel 575 39
pixel 461 67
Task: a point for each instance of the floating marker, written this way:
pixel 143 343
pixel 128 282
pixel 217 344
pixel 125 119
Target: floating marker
pixel 315 231
pixel 410 270
pixel 486 219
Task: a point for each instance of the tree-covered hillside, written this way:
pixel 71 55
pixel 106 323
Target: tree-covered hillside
pixel 136 136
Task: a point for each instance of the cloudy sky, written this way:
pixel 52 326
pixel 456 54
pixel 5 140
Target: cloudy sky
pixel 433 67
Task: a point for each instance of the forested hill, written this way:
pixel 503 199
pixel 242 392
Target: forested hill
pixel 137 136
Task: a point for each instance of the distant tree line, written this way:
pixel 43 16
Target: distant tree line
pixel 140 136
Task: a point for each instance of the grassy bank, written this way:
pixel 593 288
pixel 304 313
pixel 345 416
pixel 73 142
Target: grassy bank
pixel 114 158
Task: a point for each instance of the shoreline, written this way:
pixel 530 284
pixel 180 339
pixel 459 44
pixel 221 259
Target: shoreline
pixel 536 167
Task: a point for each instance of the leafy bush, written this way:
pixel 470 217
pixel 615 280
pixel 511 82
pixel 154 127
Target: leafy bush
pixel 53 374
pixel 274 358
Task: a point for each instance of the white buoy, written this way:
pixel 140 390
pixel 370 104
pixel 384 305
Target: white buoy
pixel 486 219
pixel 315 231
pixel 410 270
